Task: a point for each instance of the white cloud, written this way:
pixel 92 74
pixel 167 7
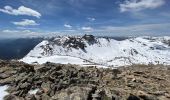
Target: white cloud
pixel 25 22
pixel 27 31
pixel 22 10
pixel 70 30
pixel 87 29
pixel 91 19
pixel 67 26
pixel 26 28
pixel 10 31
pixel 18 31
pixel 138 5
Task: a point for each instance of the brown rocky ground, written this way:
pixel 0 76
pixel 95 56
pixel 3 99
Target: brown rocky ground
pixel 72 82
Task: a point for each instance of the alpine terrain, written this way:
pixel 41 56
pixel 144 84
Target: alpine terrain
pixel 103 51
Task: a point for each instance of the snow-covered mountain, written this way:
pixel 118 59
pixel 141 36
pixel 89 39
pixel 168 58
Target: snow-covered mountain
pixel 101 51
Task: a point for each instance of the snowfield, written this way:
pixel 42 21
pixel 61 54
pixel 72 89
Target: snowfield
pixel 101 51
pixel 54 59
pixel 3 93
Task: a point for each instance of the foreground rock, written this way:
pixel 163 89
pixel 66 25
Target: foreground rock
pixel 71 82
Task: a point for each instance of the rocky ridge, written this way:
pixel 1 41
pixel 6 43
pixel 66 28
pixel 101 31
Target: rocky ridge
pixel 73 82
pixel 103 51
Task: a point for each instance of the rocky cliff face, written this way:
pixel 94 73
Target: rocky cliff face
pixel 72 82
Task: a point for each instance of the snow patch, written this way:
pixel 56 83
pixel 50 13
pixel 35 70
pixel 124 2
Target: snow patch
pixel 3 92
pixel 54 59
pixel 33 91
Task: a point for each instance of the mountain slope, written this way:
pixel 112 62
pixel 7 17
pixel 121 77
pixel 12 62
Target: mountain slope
pixel 103 51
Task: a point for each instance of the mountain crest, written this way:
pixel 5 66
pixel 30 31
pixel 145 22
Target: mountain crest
pixel 103 51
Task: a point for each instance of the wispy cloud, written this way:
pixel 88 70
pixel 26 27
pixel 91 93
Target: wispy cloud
pixel 67 26
pixel 26 22
pixel 10 31
pixel 91 19
pixel 26 28
pixel 87 29
pixel 142 29
pixel 138 5
pixel 18 31
pixel 22 10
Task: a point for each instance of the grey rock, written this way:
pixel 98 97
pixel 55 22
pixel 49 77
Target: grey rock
pixel 30 97
pixel 133 97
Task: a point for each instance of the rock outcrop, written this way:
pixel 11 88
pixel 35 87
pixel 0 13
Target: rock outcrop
pixel 72 82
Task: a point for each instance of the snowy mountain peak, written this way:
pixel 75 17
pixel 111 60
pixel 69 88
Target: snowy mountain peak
pixel 102 51
pixel 74 42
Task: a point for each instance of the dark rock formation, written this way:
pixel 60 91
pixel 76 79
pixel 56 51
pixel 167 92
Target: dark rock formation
pixel 89 38
pixel 166 42
pixel 69 42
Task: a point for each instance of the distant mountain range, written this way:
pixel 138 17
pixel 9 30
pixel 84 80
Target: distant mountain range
pixel 17 48
pixel 104 51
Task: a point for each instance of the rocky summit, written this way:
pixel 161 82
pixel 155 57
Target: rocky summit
pixel 51 81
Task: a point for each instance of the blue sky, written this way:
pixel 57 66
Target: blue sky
pixel 20 18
